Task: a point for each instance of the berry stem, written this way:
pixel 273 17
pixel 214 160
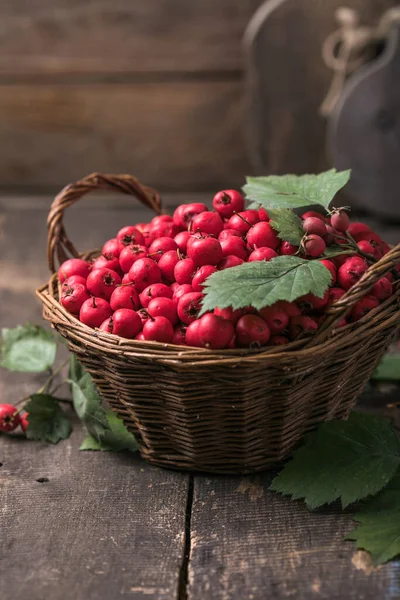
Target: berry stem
pixel 353 243
pixel 243 219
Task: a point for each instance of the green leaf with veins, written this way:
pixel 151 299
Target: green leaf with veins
pixel 28 349
pixel 337 250
pixel 262 283
pixel 388 369
pixel 47 421
pixel 116 438
pixel 346 460
pixel 287 225
pixel 379 528
pixel 295 191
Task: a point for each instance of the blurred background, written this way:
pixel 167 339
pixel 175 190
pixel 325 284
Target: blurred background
pixel 190 96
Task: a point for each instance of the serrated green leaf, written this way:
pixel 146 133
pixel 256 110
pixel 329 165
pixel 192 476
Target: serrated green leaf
pixel 87 405
pixel 336 250
pixel 47 421
pixel 388 369
pixel 262 283
pixel 349 460
pixel 295 191
pixel 379 529
pixel 115 438
pixel 287 225
pixel 76 370
pixel 89 443
pixel 28 348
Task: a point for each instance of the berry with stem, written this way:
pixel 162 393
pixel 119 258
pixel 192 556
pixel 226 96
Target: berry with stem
pixel 156 290
pixel 184 271
pixel 215 332
pixel 130 254
pixel 124 296
pixel 144 272
pixel 94 311
pixel 164 307
pixel 227 202
pixel 102 282
pixel 74 266
pixel 9 417
pixel 189 307
pixel 73 296
pixel 204 250
pixel 313 245
pixel 158 329
pixel 314 225
pixel 201 276
pixel 252 330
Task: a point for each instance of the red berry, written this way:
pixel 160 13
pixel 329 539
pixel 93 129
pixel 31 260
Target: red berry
pixel 9 417
pixel 102 282
pixel 131 254
pixel 167 264
pixel 227 202
pixel 314 225
pixel 72 280
pixel 185 213
pixel 334 293
pixel 229 261
pixel 368 248
pixel 251 329
pixel 234 246
pixel 201 276
pixel 192 334
pixel 111 247
pixel 73 266
pixel 204 250
pixel 330 237
pixel 181 290
pixel 124 296
pixel 382 289
pixel 158 329
pixel 184 271
pixel 181 240
pixel 357 229
pixel 160 246
pixel 262 254
pixel 227 233
pixel 94 311
pixel 215 332
pixel 312 213
pixel 310 302
pixel 73 296
pixel 144 229
pixel 143 315
pixel 163 229
pixel 243 221
pixel 229 314
pixel 163 307
pixel 24 422
pixel 340 220
pixel 331 268
pixel 107 261
pixel 179 338
pixel 351 271
pixel 290 308
pixel 130 235
pixel 276 318
pixel 144 272
pixel 124 322
pixel 301 325
pixel 314 245
pixel 278 340
pixel 156 290
pixel 208 222
pixel 263 215
pixel 363 306
pixel 140 337
pixel 189 307
pixel 287 249
pixel 262 235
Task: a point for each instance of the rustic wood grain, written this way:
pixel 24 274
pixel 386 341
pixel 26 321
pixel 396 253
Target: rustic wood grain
pixel 180 137
pixel 287 81
pixel 122 36
pixel 249 543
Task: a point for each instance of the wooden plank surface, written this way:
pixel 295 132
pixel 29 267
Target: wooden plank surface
pixel 122 36
pixel 176 136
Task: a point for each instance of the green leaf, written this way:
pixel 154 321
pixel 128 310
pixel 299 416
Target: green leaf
pixel 47 421
pixel 287 225
pixel 379 529
pixel 337 250
pixel 342 459
pixel 76 370
pixel 388 369
pixel 262 283
pixel 116 438
pixel 295 191
pixel 28 348
pixel 87 405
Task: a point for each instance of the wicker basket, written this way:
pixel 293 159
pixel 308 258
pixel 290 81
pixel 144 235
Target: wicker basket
pixel 230 411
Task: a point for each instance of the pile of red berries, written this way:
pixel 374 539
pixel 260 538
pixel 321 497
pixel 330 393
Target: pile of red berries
pixel 148 282
pixel 10 418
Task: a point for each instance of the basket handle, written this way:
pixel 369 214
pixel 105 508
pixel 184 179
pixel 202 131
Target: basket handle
pixel 339 308
pixel 57 239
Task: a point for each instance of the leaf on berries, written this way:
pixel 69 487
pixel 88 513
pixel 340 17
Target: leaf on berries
pixel 346 460
pixel 28 349
pixel 295 191
pixel 47 421
pixel 379 529
pixel 336 250
pixel 116 438
pixel 262 283
pixel 287 225
pixel 388 369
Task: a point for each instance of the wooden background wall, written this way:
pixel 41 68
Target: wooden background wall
pixel 151 87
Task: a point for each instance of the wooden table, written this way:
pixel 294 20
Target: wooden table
pixel 88 525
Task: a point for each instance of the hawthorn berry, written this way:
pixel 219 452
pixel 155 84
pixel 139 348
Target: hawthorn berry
pixel 383 289
pixel 102 282
pixel 181 239
pixel 340 220
pixel 363 306
pixel 111 247
pixel 234 246
pixel 201 276
pixel 314 225
pixel 156 290
pixel 204 250
pixel 9 417
pixel 227 233
pixel 189 307
pixel 158 329
pixel 24 422
pixel 287 249
pixel 167 264
pixel 94 311
pixel 312 213
pixel 301 325
pixel 181 290
pixel 229 314
pixel 262 254
pixel 124 296
pixel 130 235
pixel 107 261
pixel 208 222
pixel 163 307
pixel 192 334
pixel 184 271
pixel 179 337
pixel 214 332
pixel 313 245
pixel 185 213
pixel 144 272
pixel 351 271
pixel 124 322
pixel 74 266
pixel 331 268
pixel 131 254
pixel 228 202
pixel 261 235
pixel 73 296
pixel 278 340
pixel 251 329
pixel 229 261
pixel 276 319
pixel 243 221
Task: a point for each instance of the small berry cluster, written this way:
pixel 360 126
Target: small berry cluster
pixel 10 418
pixel 148 282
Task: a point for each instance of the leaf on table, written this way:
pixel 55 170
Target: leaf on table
pixel 295 191
pixel 28 348
pixel 116 438
pixel 287 225
pixel 388 369
pixel 349 460
pixel 379 529
pixel 47 421
pixel 262 283
pixel 87 405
